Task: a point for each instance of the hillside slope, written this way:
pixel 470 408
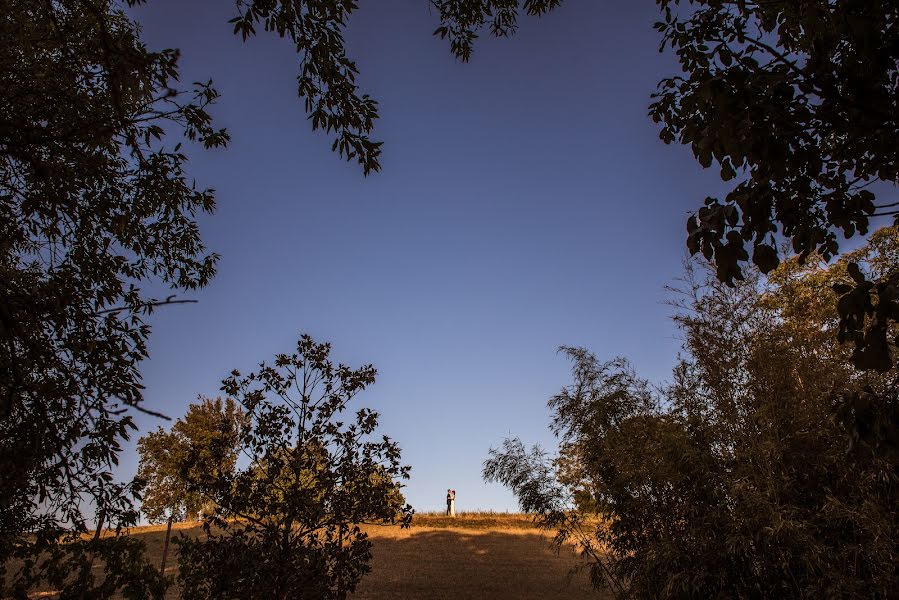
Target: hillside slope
pixel 487 557
pixel 493 556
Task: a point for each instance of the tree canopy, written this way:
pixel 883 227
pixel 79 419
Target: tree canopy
pixel 174 465
pixel 288 523
pixel 93 204
pixel 797 104
pixel 735 478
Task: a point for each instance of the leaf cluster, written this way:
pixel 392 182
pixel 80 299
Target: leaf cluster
pixel 98 568
pixel 327 77
pixel 869 312
pixel 796 103
pixel 462 20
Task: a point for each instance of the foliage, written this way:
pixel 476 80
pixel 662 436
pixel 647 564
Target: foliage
pixel 734 479
pixel 796 102
pixel 70 567
pixel 92 206
pixel 95 205
pixel 460 20
pixel 287 525
pixel 869 311
pixel 327 78
pixel 202 446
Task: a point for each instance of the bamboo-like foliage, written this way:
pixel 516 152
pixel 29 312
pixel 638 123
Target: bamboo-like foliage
pixel 766 468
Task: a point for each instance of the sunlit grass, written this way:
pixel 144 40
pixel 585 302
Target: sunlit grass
pixel 479 554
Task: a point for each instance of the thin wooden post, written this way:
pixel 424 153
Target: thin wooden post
pixel 100 518
pixel 165 544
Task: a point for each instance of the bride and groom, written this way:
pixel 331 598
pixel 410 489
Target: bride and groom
pixel 451 503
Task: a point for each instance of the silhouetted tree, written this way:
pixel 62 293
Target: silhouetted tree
pixel 95 204
pixel 798 104
pixel 734 479
pixel 287 525
pixel 92 205
pixel 795 101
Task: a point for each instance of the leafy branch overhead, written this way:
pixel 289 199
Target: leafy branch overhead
pixel 461 20
pixel 327 77
pixel 796 103
pixel 869 303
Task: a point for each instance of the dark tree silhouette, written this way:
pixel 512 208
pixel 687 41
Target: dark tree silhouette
pixel 798 104
pixel 735 478
pixel 92 205
pixel 794 101
pixel 287 526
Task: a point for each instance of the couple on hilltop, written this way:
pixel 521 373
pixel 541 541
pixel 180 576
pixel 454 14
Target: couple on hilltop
pixel 451 503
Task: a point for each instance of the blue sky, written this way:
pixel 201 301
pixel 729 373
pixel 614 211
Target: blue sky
pixel 525 202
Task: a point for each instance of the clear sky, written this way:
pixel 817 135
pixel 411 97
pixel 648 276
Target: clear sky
pixel 525 202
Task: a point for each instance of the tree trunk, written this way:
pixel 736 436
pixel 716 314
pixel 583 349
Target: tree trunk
pixel 100 519
pixel 165 544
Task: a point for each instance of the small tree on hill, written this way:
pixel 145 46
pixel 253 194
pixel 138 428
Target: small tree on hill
pixel 175 465
pixel 288 524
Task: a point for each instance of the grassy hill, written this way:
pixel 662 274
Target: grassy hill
pixel 475 555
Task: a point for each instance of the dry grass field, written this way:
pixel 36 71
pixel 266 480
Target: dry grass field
pixel 471 556
pixel 494 556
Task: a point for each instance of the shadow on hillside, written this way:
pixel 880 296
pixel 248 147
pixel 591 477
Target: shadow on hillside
pixel 437 564
pixel 155 537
